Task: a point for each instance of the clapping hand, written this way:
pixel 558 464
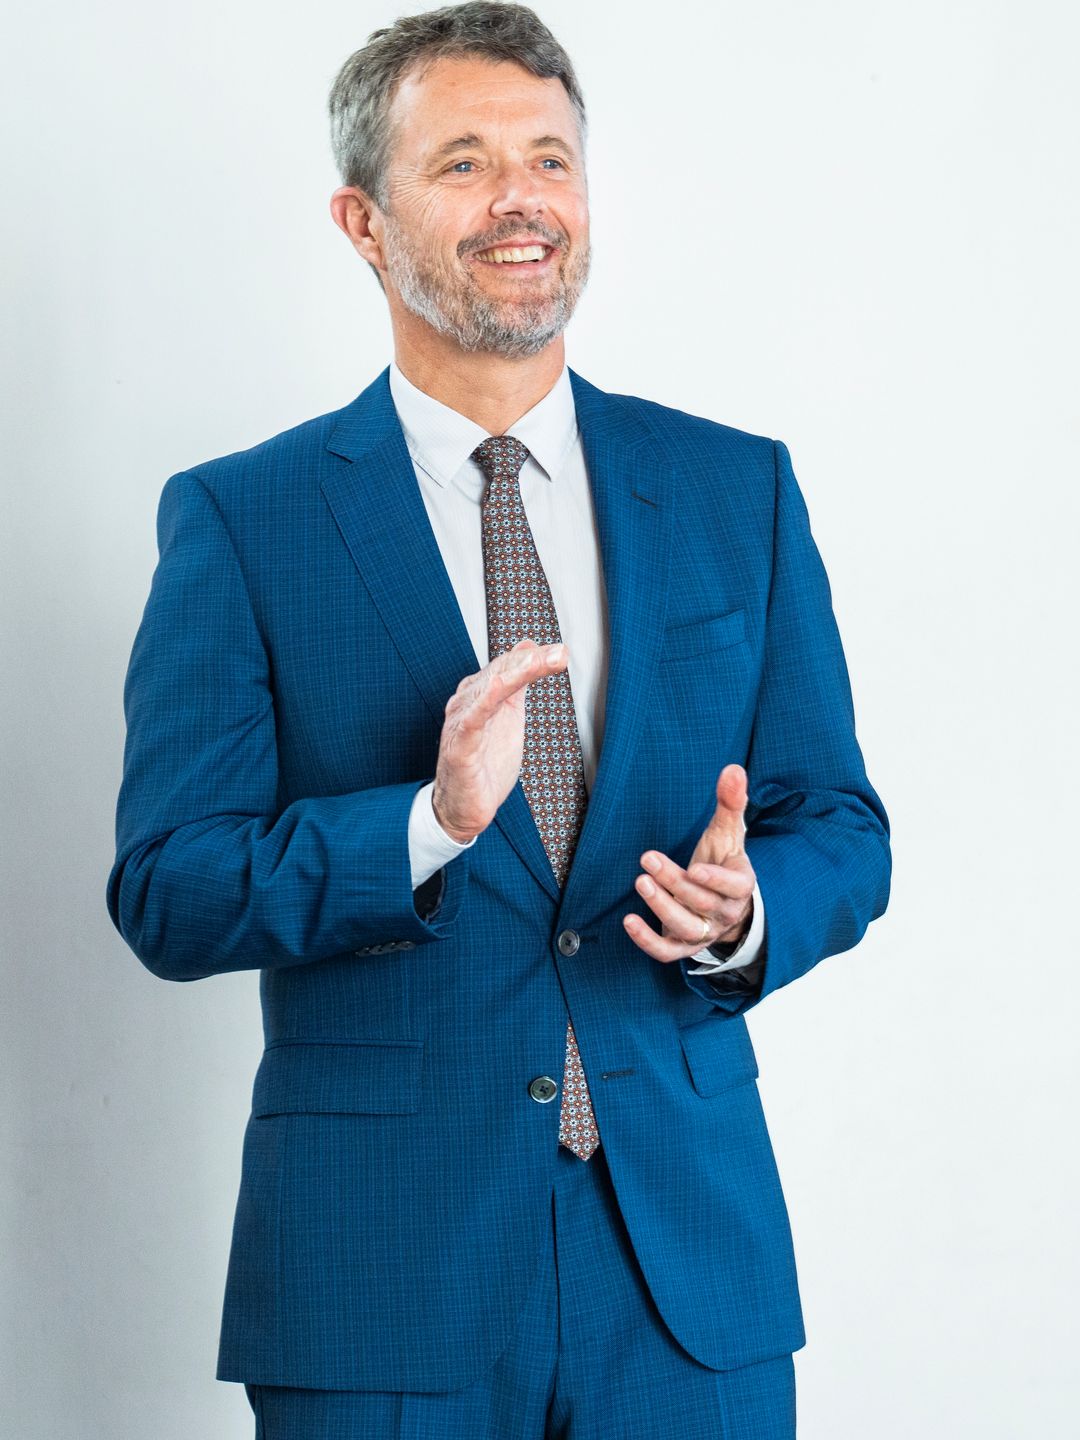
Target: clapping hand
pixel 711 901
pixel 483 737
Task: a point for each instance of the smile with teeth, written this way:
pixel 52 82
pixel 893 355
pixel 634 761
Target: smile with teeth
pixel 514 256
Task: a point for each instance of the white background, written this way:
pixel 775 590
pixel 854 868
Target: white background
pixel 850 226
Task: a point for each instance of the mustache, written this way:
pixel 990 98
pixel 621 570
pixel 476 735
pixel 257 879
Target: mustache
pixel 543 233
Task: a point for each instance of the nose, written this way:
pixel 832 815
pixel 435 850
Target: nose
pixel 517 192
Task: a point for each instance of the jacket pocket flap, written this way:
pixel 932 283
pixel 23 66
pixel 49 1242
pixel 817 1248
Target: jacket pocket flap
pixel 719 1053
pixel 701 636
pixel 359 1077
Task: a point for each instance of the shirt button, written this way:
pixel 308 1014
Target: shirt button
pixel 542 1088
pixel 568 942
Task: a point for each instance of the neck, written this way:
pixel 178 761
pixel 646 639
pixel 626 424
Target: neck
pixel 488 389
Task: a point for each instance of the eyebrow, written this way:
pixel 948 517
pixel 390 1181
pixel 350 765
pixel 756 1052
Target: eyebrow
pixel 552 142
pixel 473 142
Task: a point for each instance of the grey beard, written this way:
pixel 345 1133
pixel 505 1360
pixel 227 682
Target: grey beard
pixel 475 323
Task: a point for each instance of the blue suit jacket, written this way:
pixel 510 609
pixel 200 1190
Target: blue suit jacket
pixel 284 702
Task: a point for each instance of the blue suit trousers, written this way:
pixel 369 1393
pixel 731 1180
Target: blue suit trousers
pixel 590 1358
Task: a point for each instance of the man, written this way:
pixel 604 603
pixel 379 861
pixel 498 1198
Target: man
pixel 504 725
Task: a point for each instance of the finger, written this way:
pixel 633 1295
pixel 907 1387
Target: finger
pixel 527 661
pixel 735 877
pixel 530 649
pixel 696 891
pixel 683 921
pixel 728 822
pixel 658 946
pixel 480 697
pixel 503 677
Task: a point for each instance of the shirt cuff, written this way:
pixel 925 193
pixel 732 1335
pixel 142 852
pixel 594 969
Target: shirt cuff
pixel 430 847
pixel 745 953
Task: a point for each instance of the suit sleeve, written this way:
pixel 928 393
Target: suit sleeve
pixel 817 832
pixel 210 875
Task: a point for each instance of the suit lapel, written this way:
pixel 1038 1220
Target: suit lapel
pixel 629 489
pixel 372 492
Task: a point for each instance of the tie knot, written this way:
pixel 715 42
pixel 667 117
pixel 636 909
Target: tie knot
pixel 500 455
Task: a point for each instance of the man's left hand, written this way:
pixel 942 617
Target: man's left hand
pixel 717 885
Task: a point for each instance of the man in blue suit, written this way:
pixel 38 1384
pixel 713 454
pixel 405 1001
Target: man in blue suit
pixel 503 725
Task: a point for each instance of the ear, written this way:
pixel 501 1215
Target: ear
pixel 360 218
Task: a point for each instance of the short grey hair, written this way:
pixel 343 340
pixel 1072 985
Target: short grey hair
pixel 364 89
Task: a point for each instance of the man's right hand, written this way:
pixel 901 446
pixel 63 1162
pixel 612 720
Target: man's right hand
pixel 483 737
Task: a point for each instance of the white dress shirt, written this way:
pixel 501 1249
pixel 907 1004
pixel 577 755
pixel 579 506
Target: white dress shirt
pixel 557 499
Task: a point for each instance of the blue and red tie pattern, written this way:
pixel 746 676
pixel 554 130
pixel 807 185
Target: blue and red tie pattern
pixel 520 607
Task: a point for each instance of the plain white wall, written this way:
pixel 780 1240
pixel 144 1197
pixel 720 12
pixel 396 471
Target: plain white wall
pixel 849 226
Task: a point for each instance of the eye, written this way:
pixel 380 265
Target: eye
pixel 459 163
pixel 552 161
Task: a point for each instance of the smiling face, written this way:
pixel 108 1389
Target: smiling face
pixel 486 237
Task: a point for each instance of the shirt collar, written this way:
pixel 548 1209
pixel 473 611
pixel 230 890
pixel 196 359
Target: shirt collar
pixel 441 440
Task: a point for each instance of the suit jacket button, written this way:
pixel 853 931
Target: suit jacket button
pixel 568 942
pixel 542 1088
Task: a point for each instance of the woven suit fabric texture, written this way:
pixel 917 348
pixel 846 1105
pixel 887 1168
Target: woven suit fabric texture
pixel 519 607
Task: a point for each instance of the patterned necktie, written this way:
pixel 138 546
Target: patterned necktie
pixel 520 607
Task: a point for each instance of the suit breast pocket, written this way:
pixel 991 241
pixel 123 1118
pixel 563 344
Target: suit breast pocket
pixel 702 637
pixel 331 1077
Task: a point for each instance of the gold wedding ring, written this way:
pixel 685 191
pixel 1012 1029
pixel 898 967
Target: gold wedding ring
pixel 704 927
